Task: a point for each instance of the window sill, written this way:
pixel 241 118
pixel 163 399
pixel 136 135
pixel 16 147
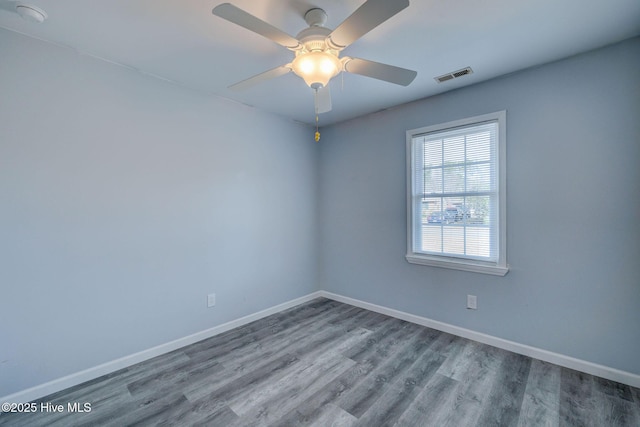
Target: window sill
pixel 464 265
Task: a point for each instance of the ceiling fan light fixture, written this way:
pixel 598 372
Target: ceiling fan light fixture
pixel 316 68
pixel 317 48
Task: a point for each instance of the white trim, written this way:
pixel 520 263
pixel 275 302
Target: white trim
pixel 59 384
pixel 464 265
pixel 526 350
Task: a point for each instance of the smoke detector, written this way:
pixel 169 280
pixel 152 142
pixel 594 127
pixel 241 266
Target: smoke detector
pixel 31 13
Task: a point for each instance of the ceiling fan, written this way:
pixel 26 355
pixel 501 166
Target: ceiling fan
pixel 317 48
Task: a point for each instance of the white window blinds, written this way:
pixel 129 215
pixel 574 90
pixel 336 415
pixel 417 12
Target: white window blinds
pixel 455 193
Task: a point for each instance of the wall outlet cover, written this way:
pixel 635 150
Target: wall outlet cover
pixel 472 302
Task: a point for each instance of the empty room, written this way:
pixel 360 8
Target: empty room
pixel 320 213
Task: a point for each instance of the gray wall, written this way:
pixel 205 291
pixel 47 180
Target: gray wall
pixel 573 203
pixel 124 200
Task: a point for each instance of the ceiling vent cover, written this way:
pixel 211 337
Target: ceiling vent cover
pixel 454 75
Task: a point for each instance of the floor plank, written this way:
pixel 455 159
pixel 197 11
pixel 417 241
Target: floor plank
pixel 577 406
pixel 504 401
pixel 432 405
pixel 324 363
pixel 540 405
pixel 394 402
pixel 473 384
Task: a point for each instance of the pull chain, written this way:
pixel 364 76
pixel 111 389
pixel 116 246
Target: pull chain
pixel 315 101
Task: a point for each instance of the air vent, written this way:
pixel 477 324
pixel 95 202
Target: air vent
pixel 454 75
pixel 444 78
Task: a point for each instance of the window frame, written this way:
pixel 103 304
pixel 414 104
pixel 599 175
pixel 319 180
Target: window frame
pixel 498 267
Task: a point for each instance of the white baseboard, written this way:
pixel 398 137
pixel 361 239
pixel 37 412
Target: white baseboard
pixel 59 384
pixel 537 353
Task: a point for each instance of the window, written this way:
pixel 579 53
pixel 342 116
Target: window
pixel 456 195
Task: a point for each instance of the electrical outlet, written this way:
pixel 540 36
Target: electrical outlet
pixel 211 300
pixel 472 302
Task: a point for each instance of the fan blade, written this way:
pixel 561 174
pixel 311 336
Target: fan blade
pixel 388 73
pixel 238 16
pixel 323 100
pixel 368 16
pixel 270 74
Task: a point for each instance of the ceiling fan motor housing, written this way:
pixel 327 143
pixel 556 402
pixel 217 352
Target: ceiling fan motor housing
pixel 315 17
pixel 313 38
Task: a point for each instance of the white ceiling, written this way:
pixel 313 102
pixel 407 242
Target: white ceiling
pixel 182 41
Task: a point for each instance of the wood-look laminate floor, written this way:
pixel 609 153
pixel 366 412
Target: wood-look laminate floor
pixel 325 363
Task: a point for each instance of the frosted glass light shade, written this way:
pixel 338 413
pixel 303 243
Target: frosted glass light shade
pixel 316 68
